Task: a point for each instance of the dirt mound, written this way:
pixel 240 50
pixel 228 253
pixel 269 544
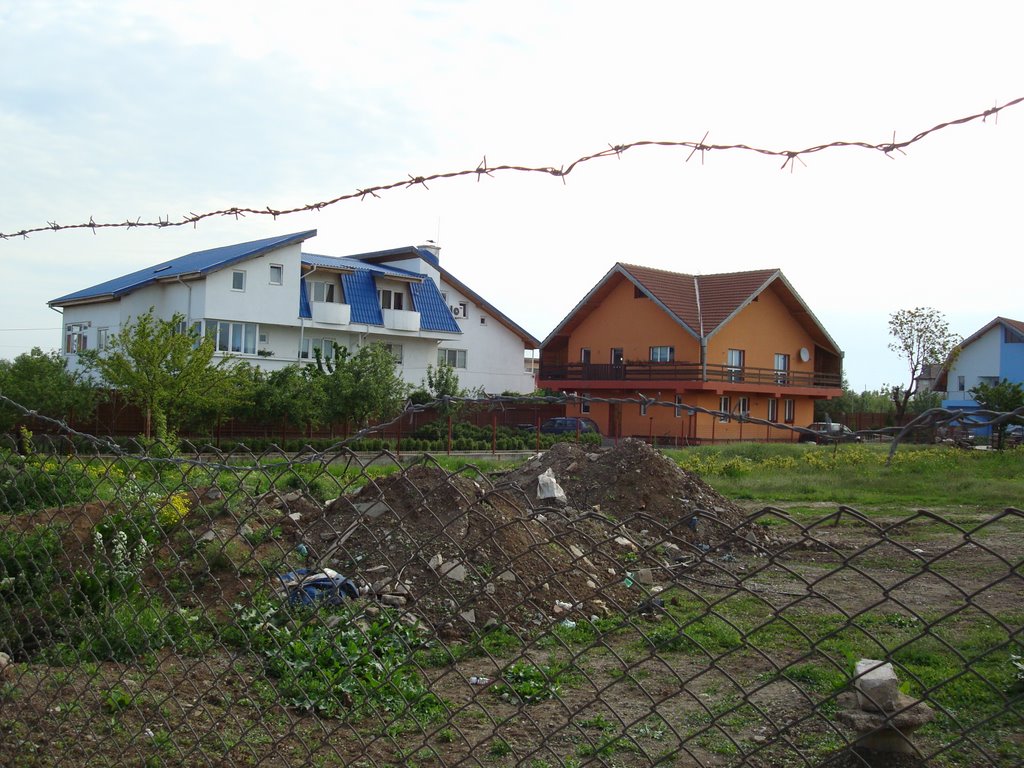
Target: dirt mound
pixel 638 486
pixel 461 553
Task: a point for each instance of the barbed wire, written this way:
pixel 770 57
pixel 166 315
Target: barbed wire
pixel 483 168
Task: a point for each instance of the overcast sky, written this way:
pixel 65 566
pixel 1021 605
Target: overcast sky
pixel 122 110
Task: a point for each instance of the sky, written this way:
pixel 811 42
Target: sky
pixel 115 111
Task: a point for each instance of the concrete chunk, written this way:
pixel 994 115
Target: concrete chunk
pixel 878 688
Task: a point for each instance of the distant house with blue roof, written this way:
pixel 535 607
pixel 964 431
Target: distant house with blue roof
pixel 992 353
pixel 269 302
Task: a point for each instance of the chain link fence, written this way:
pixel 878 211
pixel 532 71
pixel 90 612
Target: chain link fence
pixel 584 606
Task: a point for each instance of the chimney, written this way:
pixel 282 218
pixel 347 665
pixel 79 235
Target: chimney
pixel 433 249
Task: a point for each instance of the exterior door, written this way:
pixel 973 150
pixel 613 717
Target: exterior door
pixel 615 420
pixel 618 369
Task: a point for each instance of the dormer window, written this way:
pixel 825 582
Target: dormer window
pixel 325 292
pixel 391 299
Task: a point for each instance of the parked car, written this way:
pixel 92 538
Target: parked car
pixel 561 425
pixel 829 432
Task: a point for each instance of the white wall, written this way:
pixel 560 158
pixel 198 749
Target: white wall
pixel 979 358
pixel 260 302
pixel 494 359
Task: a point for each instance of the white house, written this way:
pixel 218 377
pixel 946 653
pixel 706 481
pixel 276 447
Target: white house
pixel 270 303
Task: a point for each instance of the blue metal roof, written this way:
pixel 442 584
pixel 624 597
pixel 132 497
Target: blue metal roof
pixel 199 262
pixel 434 312
pixel 361 295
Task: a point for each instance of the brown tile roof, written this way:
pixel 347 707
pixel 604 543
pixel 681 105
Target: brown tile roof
pixel 703 302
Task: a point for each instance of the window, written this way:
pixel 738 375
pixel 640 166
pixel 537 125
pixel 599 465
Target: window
pixel 75 338
pixel 324 292
pixel 679 406
pixel 743 406
pixel 391 299
pixel 396 352
pixel 585 403
pixel 723 406
pixel 102 338
pixel 239 338
pixel 789 410
pixel 276 274
pixel 773 410
pixel 585 355
pixel 456 358
pixel 961 383
pixel 663 354
pixel 734 364
pixel 238 280
pixel 781 368
pixel 326 348
pixel 643 407
pixel 483 320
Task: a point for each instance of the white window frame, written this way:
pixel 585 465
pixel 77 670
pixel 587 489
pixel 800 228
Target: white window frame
pixel 723 406
pixel 325 292
pixel 773 410
pixel 789 410
pixel 232 337
pixel 235 275
pixel 277 274
pixel 743 406
pixel 781 368
pixel 76 338
pixel 585 403
pixel 391 299
pixel 396 352
pixel 679 406
pixel 447 356
pixel 585 355
pixel 734 363
pixel 663 354
pixel 102 338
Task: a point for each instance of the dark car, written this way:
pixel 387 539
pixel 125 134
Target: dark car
pixel 561 425
pixel 829 432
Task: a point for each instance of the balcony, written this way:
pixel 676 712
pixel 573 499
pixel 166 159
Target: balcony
pixel 331 313
pixel 401 320
pixel 641 372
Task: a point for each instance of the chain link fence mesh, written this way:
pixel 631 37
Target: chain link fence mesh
pixel 582 607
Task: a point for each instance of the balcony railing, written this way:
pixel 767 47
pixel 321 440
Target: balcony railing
pixel 401 319
pixel 639 372
pixel 331 313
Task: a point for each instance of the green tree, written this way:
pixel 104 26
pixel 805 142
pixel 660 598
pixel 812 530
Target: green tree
pixel 380 391
pixel 442 382
pixel 361 388
pixel 291 397
pixel 41 381
pixel 921 336
pixel 1003 397
pixel 167 373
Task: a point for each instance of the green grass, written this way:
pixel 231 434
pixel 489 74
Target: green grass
pixel 858 474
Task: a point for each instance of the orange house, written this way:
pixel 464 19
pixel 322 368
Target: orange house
pixel 742 345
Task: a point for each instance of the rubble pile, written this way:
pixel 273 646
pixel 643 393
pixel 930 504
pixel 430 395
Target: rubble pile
pixel 569 534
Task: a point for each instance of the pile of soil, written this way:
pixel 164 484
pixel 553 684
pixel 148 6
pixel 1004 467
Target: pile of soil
pixel 462 554
pixel 634 483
